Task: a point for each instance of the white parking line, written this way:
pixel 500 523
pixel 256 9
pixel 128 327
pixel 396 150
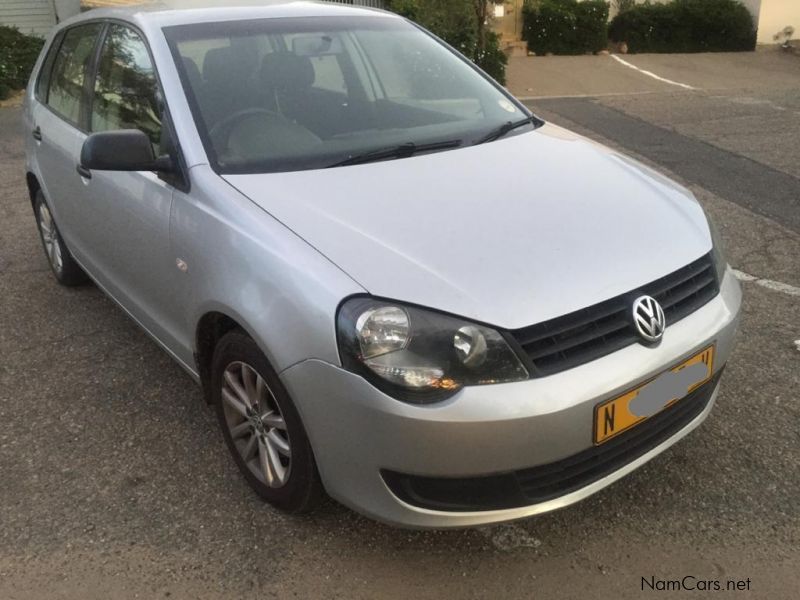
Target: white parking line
pixel 770 284
pixel 651 74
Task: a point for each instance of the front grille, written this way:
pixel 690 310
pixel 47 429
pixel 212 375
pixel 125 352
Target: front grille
pixel 545 482
pixel 589 333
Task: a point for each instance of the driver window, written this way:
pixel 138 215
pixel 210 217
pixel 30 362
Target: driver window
pixel 126 92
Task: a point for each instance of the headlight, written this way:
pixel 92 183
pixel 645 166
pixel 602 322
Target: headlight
pixel 717 253
pixel 419 355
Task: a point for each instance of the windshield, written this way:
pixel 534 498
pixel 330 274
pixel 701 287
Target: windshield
pixel 288 94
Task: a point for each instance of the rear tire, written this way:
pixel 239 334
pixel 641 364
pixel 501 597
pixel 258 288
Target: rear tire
pixel 63 265
pixel 262 427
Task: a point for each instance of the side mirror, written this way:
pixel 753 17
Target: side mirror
pixel 122 150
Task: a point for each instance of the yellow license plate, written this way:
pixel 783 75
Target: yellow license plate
pixel 619 414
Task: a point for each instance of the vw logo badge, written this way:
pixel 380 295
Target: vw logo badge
pixel 648 318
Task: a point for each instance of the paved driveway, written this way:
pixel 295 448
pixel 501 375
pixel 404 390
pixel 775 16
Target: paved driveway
pixel 114 482
pixel 552 76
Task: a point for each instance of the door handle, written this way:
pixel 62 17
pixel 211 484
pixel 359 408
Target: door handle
pixel 83 172
pixel 37 133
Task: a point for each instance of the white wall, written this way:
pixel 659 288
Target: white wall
pixel 774 16
pixel 66 8
pixel 30 16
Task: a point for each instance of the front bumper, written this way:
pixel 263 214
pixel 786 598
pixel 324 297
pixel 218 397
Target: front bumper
pixel 357 431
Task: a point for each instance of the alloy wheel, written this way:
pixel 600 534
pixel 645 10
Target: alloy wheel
pixel 52 243
pixel 256 424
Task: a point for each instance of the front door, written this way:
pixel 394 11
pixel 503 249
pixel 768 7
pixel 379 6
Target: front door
pixel 126 214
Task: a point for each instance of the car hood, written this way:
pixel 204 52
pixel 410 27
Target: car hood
pixel 511 233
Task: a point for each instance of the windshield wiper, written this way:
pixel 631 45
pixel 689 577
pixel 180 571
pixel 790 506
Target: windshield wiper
pixel 505 128
pixel 400 151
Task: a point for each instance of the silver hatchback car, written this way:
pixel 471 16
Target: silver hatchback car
pixel 393 281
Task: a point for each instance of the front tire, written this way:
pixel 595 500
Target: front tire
pixel 262 427
pixel 64 267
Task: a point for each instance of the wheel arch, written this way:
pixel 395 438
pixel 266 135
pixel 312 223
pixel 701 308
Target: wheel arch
pixel 33 187
pixel 209 330
pixel 212 325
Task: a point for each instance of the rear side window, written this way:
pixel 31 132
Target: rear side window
pixel 126 90
pixel 43 82
pixel 69 70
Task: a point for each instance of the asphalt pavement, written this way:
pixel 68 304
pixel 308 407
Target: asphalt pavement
pixel 115 482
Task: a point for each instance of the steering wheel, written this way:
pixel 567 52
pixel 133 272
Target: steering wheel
pixel 221 132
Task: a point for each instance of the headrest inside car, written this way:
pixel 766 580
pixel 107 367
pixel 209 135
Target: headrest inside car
pixel 285 71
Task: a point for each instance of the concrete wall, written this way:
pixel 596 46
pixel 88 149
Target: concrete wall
pixel 774 16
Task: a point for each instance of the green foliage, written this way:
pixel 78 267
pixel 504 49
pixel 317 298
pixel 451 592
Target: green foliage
pixel 410 9
pixel 493 60
pixel 451 20
pixel 685 26
pixel 592 25
pixel 455 22
pixel 18 54
pixel 623 5
pixel 565 26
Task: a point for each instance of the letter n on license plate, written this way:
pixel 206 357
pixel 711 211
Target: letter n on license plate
pixel 619 414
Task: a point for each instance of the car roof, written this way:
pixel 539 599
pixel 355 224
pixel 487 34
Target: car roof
pixel 165 13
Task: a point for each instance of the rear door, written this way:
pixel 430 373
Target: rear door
pixel 58 117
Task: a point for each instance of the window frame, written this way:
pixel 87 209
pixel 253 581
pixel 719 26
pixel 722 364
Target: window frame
pixel 95 72
pixel 42 86
pixel 179 178
pixel 58 42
